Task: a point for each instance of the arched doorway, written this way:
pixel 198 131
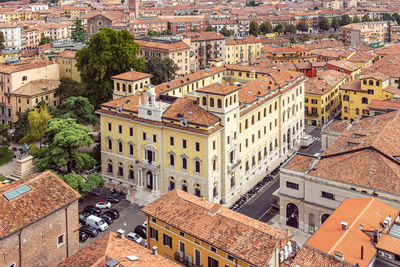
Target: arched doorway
pixel 292 215
pixel 324 217
pixel 311 223
pixel 149 180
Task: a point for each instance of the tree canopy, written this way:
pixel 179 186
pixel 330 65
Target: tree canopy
pixel 324 24
pixel 68 88
pixel 80 109
pixel 302 26
pixel 210 28
pixel 356 19
pixel 83 187
pixel 366 18
pixel 45 40
pixel 78 31
pixel 163 70
pixel 254 28
pixel 2 45
pixel 63 138
pixel 225 32
pixel 266 27
pixel 37 121
pixel 290 28
pixel 109 52
pixel 279 28
pixel 335 24
pixel 344 20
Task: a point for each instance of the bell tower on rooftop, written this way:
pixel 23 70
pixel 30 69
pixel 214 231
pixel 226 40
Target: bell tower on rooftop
pixel 133 6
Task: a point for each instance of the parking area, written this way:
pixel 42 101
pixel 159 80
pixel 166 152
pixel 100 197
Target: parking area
pixel 129 216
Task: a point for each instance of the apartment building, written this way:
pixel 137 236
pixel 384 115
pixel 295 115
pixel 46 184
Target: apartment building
pixel 360 232
pixel 104 20
pixel 360 163
pixel 206 46
pixel 45 230
pixel 202 134
pixel 15 75
pixel 287 54
pixel 358 94
pixel 322 97
pixel 389 66
pixel 196 232
pixel 175 49
pixel 245 49
pixel 374 33
pixel 143 26
pixel 67 62
pixel 12 36
pixel 231 25
pixel 117 248
pixel 185 24
pixel 29 95
pixel 351 69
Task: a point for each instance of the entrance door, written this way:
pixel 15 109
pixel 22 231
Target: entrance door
pixel 292 215
pixel 149 180
pixel 149 156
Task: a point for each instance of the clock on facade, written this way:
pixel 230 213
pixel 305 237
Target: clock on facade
pixel 149 112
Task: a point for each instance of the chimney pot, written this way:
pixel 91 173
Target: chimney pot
pixel 154 249
pixel 344 225
pixel 121 233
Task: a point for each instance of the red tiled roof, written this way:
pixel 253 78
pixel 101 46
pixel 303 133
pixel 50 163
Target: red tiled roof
pixel 310 257
pixel 218 89
pixel 131 76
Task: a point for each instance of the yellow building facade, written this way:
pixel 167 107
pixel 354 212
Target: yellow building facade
pixel 322 97
pixel 201 133
pixel 242 50
pixel 170 232
pixel 67 62
pixel 358 94
pixel 287 54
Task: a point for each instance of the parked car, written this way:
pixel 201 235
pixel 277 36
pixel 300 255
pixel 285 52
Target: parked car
pixel 92 210
pixel 111 199
pixel 113 213
pixel 92 232
pixel 82 219
pixel 134 237
pixel 106 218
pixel 103 204
pixel 96 222
pixel 142 231
pixel 83 236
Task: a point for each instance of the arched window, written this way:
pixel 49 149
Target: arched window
pixel 120 169
pixel 246 124
pixel 204 101
pixel 131 174
pixel 265 112
pixel 109 144
pixel 234 98
pixel 136 87
pixel 110 167
pixel 230 100
pixel 131 151
pixel 184 163
pixel 226 102
pixel 253 161
pixel 130 88
pixel 123 87
pixel 118 88
pixel 219 103
pixel 211 102
pixel 184 185
pixel 377 83
pixel 247 165
pixel 259 156
pixel 357 111
pixel 364 100
pixel 371 82
pixel 141 85
pixel 270 108
pixel 197 192
pixel 265 151
pixel 345 109
pixel 171 160
pixel 252 120
pixel 197 166
pixel 120 147
pixel 259 116
pixel 171 185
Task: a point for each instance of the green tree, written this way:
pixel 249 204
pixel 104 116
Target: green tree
pixel 166 32
pixel 37 121
pixel 196 29
pixel 63 138
pixel 304 37
pixel 290 28
pixel 224 31
pixel 2 45
pixel 366 18
pixel 81 186
pixel 45 40
pixel 302 26
pixel 80 109
pixel 254 28
pixel 78 31
pixel 4 138
pixel 335 24
pixel 387 17
pixel 68 88
pixel 292 40
pixel 279 28
pixel 323 24
pixel 152 32
pixel 344 20
pixel 356 19
pixel 252 3
pixel 396 17
pixel 210 28
pixel 266 27
pixel 35 151
pixel 377 19
pixel 163 70
pixel 109 52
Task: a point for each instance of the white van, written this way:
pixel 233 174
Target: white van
pixel 96 222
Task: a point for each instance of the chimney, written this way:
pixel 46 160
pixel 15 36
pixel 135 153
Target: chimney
pixel 121 233
pixel 362 252
pixel 389 220
pixel 344 225
pixel 154 250
pixel 339 256
pixel 376 235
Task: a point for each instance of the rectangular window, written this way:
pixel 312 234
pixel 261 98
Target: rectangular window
pixel 171 140
pixel 60 240
pixel 109 127
pixel 292 185
pixel 167 240
pixel 214 144
pixel 197 257
pixel 144 135
pixel 154 233
pixel 212 262
pixel 197 146
pixel 120 129
pixel 182 247
pixel 130 131
pixel 154 138
pixel 327 195
pixel 184 143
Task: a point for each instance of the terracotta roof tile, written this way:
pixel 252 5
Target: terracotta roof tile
pixel 23 66
pixel 310 257
pixel 131 76
pixel 389 243
pixel 163 46
pixel 67 54
pixel 300 163
pixel 389 65
pixel 43 198
pixel 218 89
pixel 37 87
pixel 344 64
pixel 232 232
pixel 324 81
pixel 384 104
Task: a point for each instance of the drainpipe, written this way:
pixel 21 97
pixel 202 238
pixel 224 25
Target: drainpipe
pixel 66 228
pixel 19 247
